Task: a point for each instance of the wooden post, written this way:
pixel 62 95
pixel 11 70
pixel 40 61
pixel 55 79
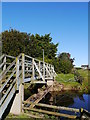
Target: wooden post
pixel 33 72
pixel 39 68
pixel 53 73
pixel 52 70
pixel 23 68
pixel 4 61
pixel 17 73
pixel 44 70
pixel 22 85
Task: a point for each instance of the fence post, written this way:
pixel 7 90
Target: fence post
pixel 23 68
pixel 17 73
pixel 39 68
pixel 4 61
pixel 33 72
pixel 22 84
pixel 44 71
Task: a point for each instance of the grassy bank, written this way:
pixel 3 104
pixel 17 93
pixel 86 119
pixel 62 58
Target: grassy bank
pixel 69 82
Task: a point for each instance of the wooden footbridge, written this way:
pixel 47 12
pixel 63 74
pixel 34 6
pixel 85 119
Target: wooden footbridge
pixel 14 72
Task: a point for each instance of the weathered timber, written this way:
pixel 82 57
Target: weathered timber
pixel 54 107
pixel 40 95
pixel 50 113
pixel 16 73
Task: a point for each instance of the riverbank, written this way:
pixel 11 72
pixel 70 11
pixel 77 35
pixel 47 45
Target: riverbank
pixel 68 82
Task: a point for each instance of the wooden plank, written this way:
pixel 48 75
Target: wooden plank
pixel 50 113
pixel 54 107
pixel 38 82
pixel 41 95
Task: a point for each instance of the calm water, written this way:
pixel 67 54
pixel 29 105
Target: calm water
pixel 68 99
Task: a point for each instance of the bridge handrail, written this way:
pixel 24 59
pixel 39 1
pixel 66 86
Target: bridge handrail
pixel 3 73
pixel 3 98
pixel 10 56
pixel 1 57
pixel 37 60
pixel 7 80
pixel 1 65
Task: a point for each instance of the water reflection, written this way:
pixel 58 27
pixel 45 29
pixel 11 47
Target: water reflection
pixel 68 99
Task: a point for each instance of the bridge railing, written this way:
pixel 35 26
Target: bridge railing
pixel 5 61
pixel 37 69
pixel 10 80
pixel 14 70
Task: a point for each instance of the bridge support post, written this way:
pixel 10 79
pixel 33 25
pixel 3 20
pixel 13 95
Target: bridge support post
pixel 19 98
pixel 33 72
pixel 22 83
pixel 44 71
pixel 39 68
pixel 17 73
pixel 17 103
pixel 4 61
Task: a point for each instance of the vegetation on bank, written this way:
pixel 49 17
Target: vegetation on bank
pixel 68 80
pixel 27 117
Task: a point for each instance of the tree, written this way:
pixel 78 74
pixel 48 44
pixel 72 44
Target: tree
pixel 65 63
pixel 16 42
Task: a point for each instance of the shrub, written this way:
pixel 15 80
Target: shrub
pixel 78 77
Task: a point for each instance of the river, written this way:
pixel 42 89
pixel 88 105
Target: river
pixel 68 99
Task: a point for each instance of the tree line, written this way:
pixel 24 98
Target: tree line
pixel 15 42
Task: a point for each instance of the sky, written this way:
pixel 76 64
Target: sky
pixel 66 21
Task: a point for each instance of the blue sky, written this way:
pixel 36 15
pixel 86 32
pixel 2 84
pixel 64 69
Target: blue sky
pixel 67 23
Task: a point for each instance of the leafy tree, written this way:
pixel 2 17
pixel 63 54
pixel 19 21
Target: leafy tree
pixel 15 42
pixel 65 63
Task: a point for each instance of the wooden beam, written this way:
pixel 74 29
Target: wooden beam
pixel 41 95
pixel 33 71
pixel 40 98
pixel 50 113
pixel 53 107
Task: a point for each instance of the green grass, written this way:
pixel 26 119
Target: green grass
pixel 85 74
pixel 64 77
pixel 11 116
pixel 68 80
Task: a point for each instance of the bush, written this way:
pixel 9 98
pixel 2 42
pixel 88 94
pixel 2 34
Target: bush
pixel 78 77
